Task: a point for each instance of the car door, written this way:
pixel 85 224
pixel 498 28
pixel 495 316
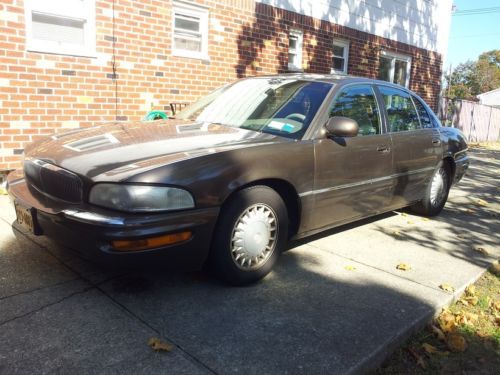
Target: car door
pixel 352 174
pixel 416 144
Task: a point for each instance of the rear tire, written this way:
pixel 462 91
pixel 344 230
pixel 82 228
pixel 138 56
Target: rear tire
pixel 250 235
pixel 436 193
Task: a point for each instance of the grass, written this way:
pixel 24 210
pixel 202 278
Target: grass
pixel 463 339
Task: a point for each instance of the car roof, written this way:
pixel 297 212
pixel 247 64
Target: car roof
pixel 330 78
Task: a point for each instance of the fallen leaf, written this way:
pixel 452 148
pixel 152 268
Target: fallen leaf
pixel 403 267
pixel 466 318
pixel 350 268
pixel 429 348
pixel 447 287
pixel 426 219
pixel 470 290
pixel 409 222
pixel 482 334
pixel 404 214
pixel 463 301
pixel 3 191
pixel 481 250
pixel 481 202
pixel 468 211
pixel 156 344
pixel 496 305
pixel 418 357
pixel 440 335
pixel 473 300
pixel 461 236
pixel 447 321
pixel 456 342
pixel 396 233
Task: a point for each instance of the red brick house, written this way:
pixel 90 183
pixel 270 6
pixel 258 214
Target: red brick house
pixel 73 63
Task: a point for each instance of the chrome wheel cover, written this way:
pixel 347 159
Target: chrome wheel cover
pixel 438 187
pixel 254 237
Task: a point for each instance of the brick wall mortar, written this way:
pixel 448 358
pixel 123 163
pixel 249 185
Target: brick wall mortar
pixel 44 93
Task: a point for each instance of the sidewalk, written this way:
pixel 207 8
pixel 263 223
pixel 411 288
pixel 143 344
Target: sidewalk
pixel 335 304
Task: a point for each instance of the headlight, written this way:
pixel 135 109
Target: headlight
pixel 140 198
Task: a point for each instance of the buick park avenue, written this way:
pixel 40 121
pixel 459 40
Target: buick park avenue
pixel 237 174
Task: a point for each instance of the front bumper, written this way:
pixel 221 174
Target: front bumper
pixel 90 229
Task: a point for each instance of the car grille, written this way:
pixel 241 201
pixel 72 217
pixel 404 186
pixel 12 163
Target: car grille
pixel 54 181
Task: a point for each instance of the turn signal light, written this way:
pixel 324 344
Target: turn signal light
pixel 151 243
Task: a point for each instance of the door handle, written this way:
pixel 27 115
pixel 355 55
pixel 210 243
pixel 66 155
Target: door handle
pixel 436 142
pixel 384 149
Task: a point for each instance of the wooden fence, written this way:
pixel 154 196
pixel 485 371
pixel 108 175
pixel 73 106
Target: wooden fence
pixel 478 122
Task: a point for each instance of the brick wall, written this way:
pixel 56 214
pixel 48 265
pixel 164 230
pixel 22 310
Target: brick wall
pixel 45 93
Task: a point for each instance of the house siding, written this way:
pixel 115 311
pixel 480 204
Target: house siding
pixel 45 93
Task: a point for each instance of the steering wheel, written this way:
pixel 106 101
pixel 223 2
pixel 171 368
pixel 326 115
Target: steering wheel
pixel 296 116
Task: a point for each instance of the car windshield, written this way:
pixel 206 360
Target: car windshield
pixel 282 106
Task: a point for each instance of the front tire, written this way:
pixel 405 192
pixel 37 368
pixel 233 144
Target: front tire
pixel 436 193
pixel 250 235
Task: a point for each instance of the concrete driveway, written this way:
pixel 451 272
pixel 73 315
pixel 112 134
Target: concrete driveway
pixel 335 304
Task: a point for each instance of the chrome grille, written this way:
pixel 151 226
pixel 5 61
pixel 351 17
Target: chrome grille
pixel 54 181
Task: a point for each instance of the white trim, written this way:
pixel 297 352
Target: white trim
pixel 345 45
pixel 299 35
pixel 71 10
pixel 191 10
pixel 396 56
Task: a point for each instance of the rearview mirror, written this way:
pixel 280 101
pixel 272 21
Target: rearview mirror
pixel 339 126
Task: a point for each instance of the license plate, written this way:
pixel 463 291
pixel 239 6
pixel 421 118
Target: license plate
pixel 26 217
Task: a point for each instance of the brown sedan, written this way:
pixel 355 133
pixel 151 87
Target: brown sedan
pixel 240 172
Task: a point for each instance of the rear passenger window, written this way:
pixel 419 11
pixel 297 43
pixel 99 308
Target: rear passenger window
pixel 358 103
pixel 401 113
pixel 425 119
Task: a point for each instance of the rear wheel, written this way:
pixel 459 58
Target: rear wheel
pixel 436 193
pixel 250 235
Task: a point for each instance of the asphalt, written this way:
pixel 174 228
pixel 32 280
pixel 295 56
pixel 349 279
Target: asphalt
pixel 335 304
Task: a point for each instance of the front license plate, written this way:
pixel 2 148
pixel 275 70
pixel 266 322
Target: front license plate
pixel 26 217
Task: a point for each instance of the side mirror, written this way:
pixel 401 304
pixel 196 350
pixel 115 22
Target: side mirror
pixel 338 126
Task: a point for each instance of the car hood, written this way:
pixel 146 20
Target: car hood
pixel 120 149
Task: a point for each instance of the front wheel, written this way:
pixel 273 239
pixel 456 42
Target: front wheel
pixel 436 193
pixel 249 236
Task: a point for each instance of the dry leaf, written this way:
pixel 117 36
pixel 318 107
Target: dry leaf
pixel 403 267
pixel 429 348
pixel 461 236
pixel 418 357
pixel 350 268
pixel 463 301
pixel 156 344
pixel 447 287
pixel 473 300
pixel 3 191
pixel 396 233
pixel 447 321
pixel 440 335
pixel 456 342
pixel 425 219
pixel 482 334
pixel 468 211
pixel 404 214
pixel 470 290
pixel 409 222
pixel 481 202
pixel 481 250
pixel 496 305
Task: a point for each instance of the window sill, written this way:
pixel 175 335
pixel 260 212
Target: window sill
pixel 62 52
pixel 194 56
pixel 340 72
pixel 294 69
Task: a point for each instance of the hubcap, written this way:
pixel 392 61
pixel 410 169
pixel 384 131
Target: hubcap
pixel 254 237
pixel 438 187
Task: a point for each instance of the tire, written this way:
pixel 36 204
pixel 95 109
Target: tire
pixel 251 232
pixel 436 193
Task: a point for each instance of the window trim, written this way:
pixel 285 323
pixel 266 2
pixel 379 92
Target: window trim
pixel 191 10
pixel 299 34
pixel 397 87
pixel 344 44
pixel 396 56
pixel 48 46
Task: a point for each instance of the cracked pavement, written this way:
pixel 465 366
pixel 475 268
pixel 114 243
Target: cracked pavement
pixel 335 303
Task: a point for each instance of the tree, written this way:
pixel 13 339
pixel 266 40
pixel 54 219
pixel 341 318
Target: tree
pixel 472 78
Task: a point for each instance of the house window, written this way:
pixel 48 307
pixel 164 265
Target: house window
pixel 295 50
pixel 340 56
pixel 62 27
pixel 394 68
pixel 190 36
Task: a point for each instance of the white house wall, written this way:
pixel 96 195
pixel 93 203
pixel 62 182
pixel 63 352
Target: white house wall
pixel 421 23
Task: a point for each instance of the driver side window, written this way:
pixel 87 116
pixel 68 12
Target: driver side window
pixel 358 103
